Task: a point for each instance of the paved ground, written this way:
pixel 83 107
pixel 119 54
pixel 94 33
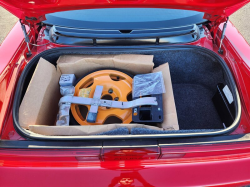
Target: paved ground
pixel 240 19
pixel 7 21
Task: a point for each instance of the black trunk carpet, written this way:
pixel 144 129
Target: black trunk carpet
pixel 195 109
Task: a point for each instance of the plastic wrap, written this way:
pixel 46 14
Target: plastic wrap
pixel 148 84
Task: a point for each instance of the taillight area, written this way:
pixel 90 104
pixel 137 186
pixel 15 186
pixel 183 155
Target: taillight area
pixel 47 157
pixel 74 157
pixel 103 155
pixel 146 153
pixel 214 151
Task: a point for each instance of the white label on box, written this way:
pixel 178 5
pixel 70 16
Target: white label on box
pixel 228 94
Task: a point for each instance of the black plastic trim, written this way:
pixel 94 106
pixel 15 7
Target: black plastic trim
pixel 73 50
pixel 149 33
pixel 16 144
pixel 86 37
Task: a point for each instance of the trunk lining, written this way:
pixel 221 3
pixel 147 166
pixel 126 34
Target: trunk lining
pixel 195 108
pixel 188 65
pixel 194 78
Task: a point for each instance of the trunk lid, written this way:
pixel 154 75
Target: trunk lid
pixel 35 10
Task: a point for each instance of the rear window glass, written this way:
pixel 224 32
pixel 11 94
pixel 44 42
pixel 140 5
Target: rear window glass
pixel 125 18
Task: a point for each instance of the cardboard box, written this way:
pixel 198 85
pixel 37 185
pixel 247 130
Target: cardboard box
pixel 40 102
pixel 170 121
pixel 82 64
pixel 83 130
pixel 39 115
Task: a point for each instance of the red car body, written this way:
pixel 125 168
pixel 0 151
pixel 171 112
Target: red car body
pixel 209 161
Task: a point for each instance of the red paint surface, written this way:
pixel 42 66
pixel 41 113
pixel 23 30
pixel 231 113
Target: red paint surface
pixel 10 52
pixel 38 8
pixel 236 56
pixel 223 165
pixel 186 166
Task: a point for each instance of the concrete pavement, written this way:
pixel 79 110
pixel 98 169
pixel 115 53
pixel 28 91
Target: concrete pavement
pixel 7 21
pixel 240 19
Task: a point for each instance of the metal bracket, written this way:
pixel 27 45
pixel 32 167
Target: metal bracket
pixel 67 91
pixel 91 118
pixel 96 102
pixel 108 103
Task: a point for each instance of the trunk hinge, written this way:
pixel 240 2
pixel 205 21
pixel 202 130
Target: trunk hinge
pixel 26 37
pixel 215 23
pixel 222 36
pixel 30 18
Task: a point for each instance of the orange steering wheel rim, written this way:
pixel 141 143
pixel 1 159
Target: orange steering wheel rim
pixel 116 86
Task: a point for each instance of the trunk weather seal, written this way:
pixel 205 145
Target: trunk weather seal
pixel 20 84
pixel 14 144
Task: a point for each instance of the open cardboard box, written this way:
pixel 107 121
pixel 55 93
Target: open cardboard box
pixel 39 106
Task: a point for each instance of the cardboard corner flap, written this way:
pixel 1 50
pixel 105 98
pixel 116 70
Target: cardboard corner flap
pixel 170 121
pixel 40 103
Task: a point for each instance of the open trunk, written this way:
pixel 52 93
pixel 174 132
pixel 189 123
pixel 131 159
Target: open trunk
pixel 195 74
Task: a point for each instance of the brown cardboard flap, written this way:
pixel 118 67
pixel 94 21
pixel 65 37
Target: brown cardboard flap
pixel 39 105
pixel 170 115
pixel 83 64
pixel 82 130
